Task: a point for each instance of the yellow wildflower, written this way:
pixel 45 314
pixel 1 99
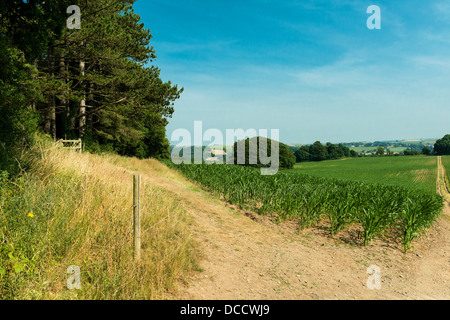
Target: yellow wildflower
pixel 31 215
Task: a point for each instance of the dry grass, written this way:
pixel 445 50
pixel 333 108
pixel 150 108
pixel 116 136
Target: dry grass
pixel 83 216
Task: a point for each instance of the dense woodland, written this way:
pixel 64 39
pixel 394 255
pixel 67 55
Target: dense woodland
pixel 96 83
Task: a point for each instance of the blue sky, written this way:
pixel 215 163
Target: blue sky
pixel 311 69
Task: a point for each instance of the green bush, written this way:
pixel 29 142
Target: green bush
pixel 286 156
pixel 18 122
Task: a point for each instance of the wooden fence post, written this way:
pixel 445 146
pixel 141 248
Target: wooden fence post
pixel 137 215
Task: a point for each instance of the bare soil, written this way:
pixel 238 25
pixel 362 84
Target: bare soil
pixel 246 256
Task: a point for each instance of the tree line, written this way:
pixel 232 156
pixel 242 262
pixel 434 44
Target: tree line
pixel 252 157
pixel 442 146
pixel 288 156
pixel 319 152
pixel 93 83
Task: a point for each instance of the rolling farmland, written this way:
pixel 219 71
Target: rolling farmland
pixel 311 199
pixel 418 172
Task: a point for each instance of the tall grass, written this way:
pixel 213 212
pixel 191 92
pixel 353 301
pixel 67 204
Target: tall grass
pixel 72 209
pixel 311 199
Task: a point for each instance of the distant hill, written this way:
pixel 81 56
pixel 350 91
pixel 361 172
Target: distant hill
pixel 394 146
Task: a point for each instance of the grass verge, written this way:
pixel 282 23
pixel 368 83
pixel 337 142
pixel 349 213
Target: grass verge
pixel 71 209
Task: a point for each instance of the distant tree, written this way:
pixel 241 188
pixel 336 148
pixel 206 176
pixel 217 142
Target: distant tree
pixel 343 150
pixel 294 148
pixel 332 151
pixel 426 150
pixel 442 146
pixel 302 154
pixel 286 156
pixel 318 152
pixel 411 153
pixel 380 151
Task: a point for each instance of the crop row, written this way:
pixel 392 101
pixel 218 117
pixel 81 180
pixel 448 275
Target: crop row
pixel 310 200
pixel 446 164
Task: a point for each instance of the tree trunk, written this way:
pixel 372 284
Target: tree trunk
pixel 64 107
pixel 33 77
pixel 50 116
pixel 53 117
pixel 89 117
pixel 82 121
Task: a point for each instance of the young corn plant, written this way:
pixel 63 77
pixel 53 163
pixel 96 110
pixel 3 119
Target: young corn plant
pixel 340 215
pixel 410 224
pixel 372 221
pixel 309 199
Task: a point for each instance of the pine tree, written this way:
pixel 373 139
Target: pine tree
pixel 94 82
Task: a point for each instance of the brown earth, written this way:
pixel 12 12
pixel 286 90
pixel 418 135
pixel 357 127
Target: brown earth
pixel 246 256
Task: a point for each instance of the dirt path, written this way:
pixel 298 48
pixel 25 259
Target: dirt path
pixel 442 186
pixel 249 257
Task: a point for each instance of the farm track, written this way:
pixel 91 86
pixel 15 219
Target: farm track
pixel 246 256
pixel 442 183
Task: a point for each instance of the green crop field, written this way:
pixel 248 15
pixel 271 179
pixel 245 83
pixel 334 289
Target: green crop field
pixel 418 172
pixel 446 163
pixel 310 199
